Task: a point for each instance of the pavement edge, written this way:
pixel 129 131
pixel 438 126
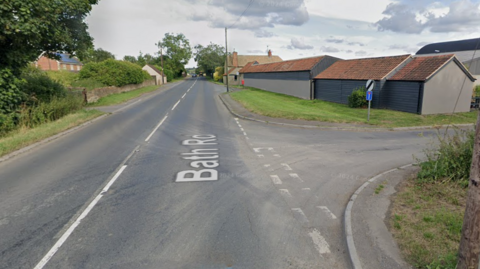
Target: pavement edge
pixel 352 251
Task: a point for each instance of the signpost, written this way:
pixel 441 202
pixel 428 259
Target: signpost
pixel 370 86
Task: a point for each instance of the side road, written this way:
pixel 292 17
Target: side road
pixel 107 109
pixel 241 112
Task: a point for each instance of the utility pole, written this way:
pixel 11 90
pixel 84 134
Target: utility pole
pixel 161 57
pixel 226 56
pixel 469 251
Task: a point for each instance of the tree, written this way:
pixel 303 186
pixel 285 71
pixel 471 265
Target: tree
pixel 96 56
pixel 176 52
pixel 129 58
pixel 209 57
pixel 29 28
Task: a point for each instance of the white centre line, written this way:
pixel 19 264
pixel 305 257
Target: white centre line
pixel 184 95
pixel 305 189
pixel 319 241
pixel 286 166
pixel 156 128
pixel 276 179
pixel 295 176
pixel 70 230
pixel 245 134
pixel 176 105
pixel 327 211
pixel 276 155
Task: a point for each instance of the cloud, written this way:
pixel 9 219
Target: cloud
pixel 360 53
pixel 462 16
pixel 261 33
pixel 356 43
pixel 255 51
pixel 421 44
pixel 334 40
pixel 404 48
pixel 349 51
pixel 298 44
pixel 330 49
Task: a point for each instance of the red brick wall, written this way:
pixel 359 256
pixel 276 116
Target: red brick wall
pixel 47 64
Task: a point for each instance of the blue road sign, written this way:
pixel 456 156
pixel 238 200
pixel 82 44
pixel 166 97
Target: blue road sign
pixel 369 95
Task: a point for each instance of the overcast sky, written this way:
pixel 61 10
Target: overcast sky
pixel 290 28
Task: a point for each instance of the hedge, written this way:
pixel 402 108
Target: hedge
pixel 114 73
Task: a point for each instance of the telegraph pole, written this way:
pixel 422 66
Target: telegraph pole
pixel 163 72
pixel 226 56
pixel 469 251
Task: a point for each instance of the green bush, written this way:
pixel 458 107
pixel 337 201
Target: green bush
pixel 65 77
pixel 10 94
pixel 169 74
pixel 477 91
pixel 7 123
pixel 358 98
pixel 450 159
pixel 39 87
pixel 114 73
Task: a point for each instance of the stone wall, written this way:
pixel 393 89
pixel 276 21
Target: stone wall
pixel 94 95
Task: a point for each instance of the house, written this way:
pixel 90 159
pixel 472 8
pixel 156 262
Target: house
pixel 292 77
pixel 156 74
pixel 66 62
pixel 236 62
pixel 467 51
pixel 419 84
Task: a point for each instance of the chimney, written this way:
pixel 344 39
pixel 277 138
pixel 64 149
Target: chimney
pixel 235 59
pixel 269 53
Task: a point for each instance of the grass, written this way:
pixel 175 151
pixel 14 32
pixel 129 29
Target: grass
pixel 27 136
pixel 426 219
pixel 379 188
pixel 119 98
pixel 289 107
pixel 72 79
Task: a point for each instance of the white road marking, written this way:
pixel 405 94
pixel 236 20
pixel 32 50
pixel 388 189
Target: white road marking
pixel 184 95
pixel 305 189
pixel 319 241
pixel 276 180
pixel 239 125
pixel 246 137
pixel 236 119
pixel 276 155
pixel 327 211
pixel 285 192
pixel 175 105
pixel 266 165
pixel 242 129
pixel 286 166
pixel 156 128
pixel 259 149
pixel 260 155
pixel 300 215
pixel 295 176
pixel 74 225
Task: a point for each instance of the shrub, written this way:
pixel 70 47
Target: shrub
pixel 477 91
pixel 39 87
pixel 450 159
pixel 114 73
pixel 10 94
pixel 218 75
pixel 169 74
pixel 358 98
pixel 7 123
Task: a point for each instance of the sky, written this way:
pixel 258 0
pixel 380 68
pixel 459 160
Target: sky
pixel 292 29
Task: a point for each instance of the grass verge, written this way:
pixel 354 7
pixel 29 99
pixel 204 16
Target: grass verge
pixel 119 98
pixel 426 220
pixel 27 136
pixel 289 107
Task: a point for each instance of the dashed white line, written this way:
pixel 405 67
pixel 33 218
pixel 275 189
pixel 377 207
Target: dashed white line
pixel 245 134
pixel 70 230
pixel 296 176
pixel 299 215
pixel 183 96
pixel 286 166
pixel 276 155
pixel 276 180
pixel 306 189
pixel 156 128
pixel 242 129
pixel 319 241
pixel 285 192
pixel 261 156
pixel 259 149
pixel 266 165
pixel 175 105
pixel 327 211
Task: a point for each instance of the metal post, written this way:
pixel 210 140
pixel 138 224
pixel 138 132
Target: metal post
pixel 368 117
pixel 226 56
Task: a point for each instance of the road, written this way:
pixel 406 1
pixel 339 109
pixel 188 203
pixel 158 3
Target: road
pixel 121 192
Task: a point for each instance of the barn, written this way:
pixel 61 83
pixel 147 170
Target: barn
pixel 292 77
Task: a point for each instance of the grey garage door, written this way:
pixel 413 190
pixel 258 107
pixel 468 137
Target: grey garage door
pixel 336 90
pixel 403 96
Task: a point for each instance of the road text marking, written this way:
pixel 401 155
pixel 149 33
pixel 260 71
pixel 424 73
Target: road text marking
pixel 201 158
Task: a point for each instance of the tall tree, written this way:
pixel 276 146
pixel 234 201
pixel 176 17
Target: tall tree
pixel 176 52
pixel 28 28
pixel 209 57
pixel 96 55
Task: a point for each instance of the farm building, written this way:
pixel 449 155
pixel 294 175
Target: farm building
pixel 467 51
pixel 155 73
pixel 236 62
pixel 66 62
pixel 293 77
pixel 420 84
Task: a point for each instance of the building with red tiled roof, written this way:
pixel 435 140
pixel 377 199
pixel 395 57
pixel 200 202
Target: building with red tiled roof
pixel 423 85
pixel 292 77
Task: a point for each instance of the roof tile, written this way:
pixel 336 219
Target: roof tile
pixel 245 59
pixel 363 69
pixel 285 66
pixel 421 68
